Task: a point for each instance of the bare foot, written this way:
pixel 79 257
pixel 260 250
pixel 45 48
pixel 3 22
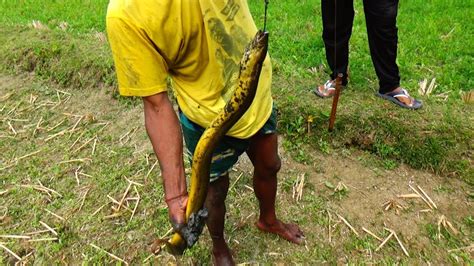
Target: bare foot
pixel 222 257
pixel 290 232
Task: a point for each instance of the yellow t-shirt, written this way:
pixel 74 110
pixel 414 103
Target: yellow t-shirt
pixel 199 44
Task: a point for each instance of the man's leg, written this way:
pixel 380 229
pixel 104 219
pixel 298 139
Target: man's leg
pixel 215 203
pixel 338 17
pixel 381 20
pixel 263 152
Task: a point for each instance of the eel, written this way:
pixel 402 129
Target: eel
pixel 241 99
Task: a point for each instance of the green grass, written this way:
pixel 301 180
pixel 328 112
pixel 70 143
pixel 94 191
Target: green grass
pixel 81 15
pixel 436 138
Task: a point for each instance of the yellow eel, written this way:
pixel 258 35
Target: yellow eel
pixel 250 68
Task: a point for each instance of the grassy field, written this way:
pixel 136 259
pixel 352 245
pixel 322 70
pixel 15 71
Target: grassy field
pixel 63 128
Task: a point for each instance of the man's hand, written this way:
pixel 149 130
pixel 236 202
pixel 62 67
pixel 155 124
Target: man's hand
pixel 164 131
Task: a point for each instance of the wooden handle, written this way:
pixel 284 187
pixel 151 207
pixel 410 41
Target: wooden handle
pixel 335 100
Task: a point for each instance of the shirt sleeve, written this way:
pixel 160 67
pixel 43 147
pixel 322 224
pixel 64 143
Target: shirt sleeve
pixel 141 69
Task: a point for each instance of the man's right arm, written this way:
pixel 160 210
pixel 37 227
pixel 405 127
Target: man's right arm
pixel 164 131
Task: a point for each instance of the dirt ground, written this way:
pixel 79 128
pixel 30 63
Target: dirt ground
pixel 365 193
pixel 346 188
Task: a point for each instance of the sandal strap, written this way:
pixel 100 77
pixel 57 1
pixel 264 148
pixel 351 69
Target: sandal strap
pixel 329 85
pixel 404 93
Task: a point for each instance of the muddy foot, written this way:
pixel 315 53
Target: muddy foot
pixel 290 232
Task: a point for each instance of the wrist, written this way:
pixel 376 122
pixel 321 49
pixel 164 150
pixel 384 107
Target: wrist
pixel 172 199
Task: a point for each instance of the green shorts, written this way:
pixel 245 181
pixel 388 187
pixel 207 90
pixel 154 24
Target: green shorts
pixel 228 150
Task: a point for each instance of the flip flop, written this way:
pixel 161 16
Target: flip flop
pixel 330 85
pixel 394 97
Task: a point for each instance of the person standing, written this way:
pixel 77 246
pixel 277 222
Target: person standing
pixel 197 45
pixel 382 31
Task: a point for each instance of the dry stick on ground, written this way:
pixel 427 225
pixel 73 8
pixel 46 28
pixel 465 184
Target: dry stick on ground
pixel 23 260
pixel 425 210
pixel 149 257
pixel 84 198
pixel 11 252
pixel 63 92
pixel 94 145
pixel 116 202
pixel 100 208
pixel 38 232
pixel 329 225
pixel 8 166
pixel 13 109
pixel 83 145
pixel 123 197
pixel 248 187
pixel 385 241
pixel 15 236
pixel 151 169
pixel 468 248
pixel 20 120
pixel 55 215
pixel 71 114
pixel 136 204
pixel 6 96
pixel 102 123
pixel 50 190
pixel 28 155
pixel 82 160
pixel 55 126
pixel 108 253
pixel 44 103
pixel 38 188
pixel 77 123
pixel 86 175
pixel 49 228
pixel 416 191
pixel 427 197
pixel 348 224
pixel 372 234
pixel 147 159
pixel 43 239
pixel 76 173
pixel 401 245
pixel 33 98
pixel 37 126
pixel 131 198
pixel 16 160
pixel 133 182
pixel 12 128
pixel 409 196
pixel 236 180
pixel 398 240
pixel 4 192
pixel 298 187
pixel 26 108
pixel 129 134
pixel 393 204
pixel 446 225
pixel 74 143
